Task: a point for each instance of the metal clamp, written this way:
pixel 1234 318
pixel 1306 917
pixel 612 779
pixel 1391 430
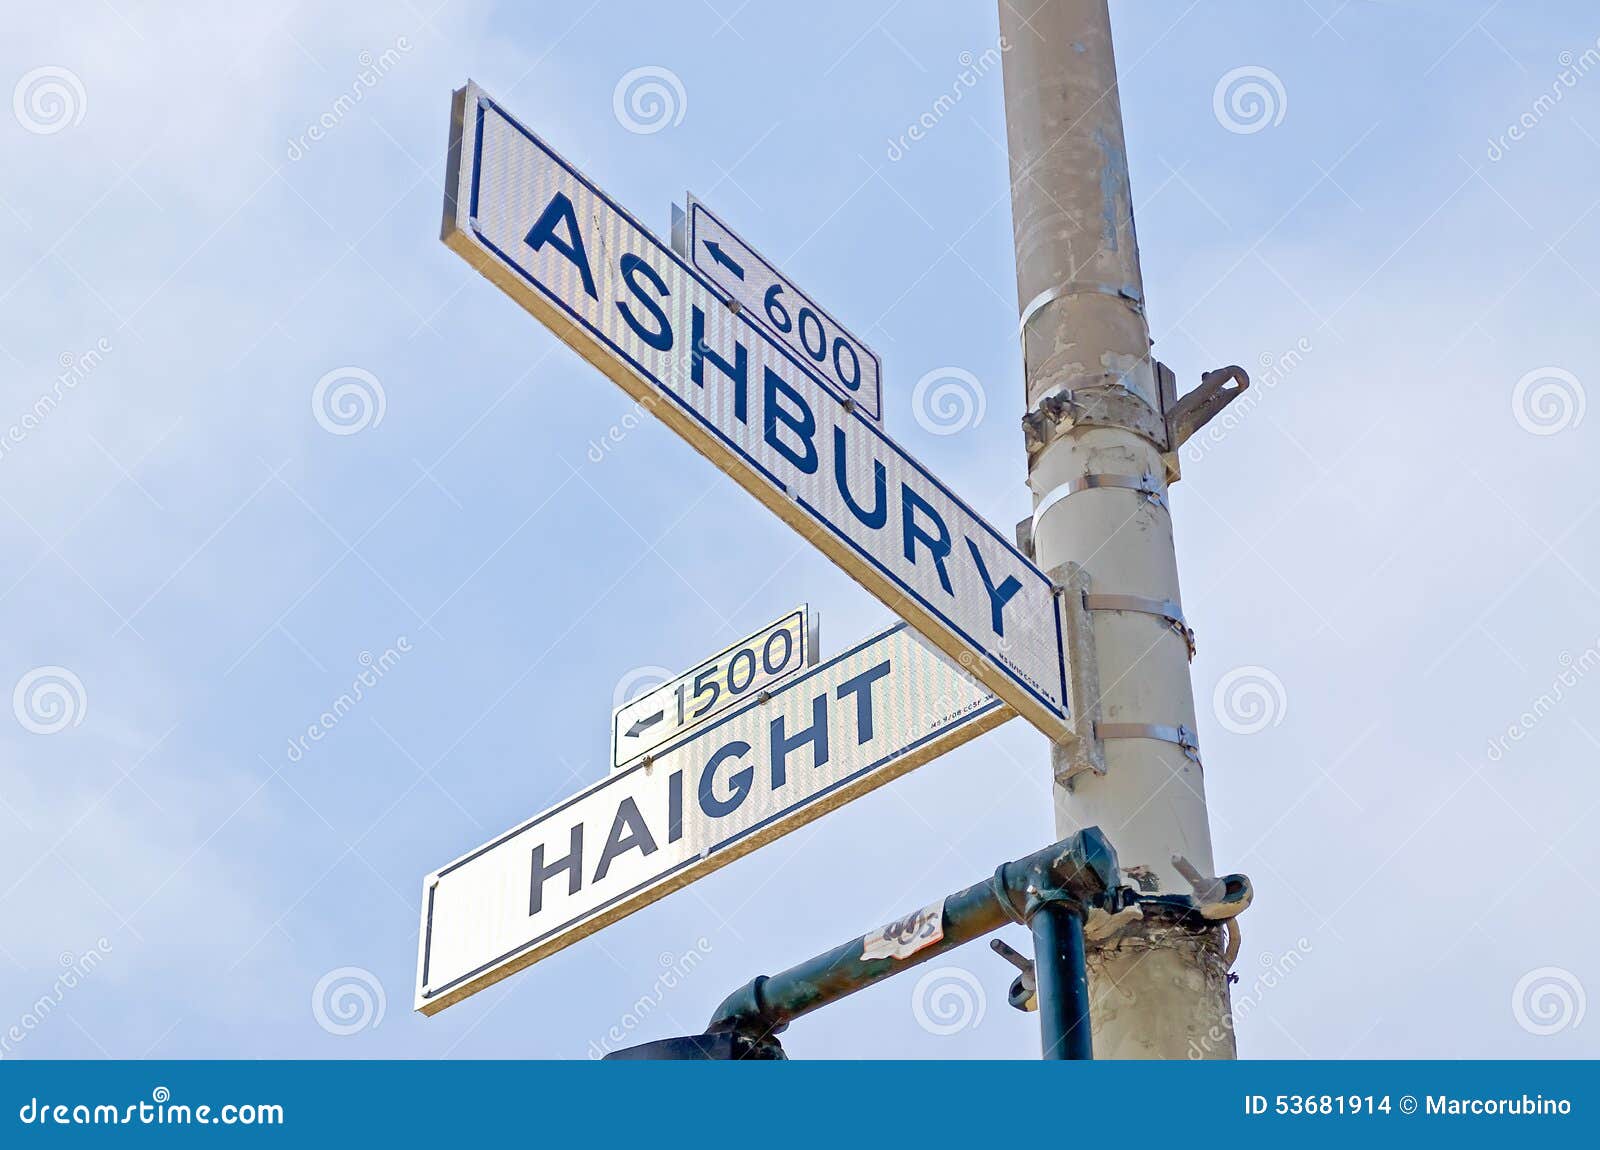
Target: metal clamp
pixel 1146 484
pixel 1215 898
pixel 1179 736
pixel 1162 608
pixel 1093 401
pixel 1215 901
pixel 1083 751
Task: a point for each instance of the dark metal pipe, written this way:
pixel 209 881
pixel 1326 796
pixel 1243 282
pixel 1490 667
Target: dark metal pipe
pixel 1063 979
pixel 768 1004
pixel 1080 870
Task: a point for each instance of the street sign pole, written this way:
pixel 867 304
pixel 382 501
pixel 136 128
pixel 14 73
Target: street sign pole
pixel 1063 980
pixel 1098 431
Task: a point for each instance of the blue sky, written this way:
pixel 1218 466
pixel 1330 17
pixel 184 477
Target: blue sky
pixel 1402 530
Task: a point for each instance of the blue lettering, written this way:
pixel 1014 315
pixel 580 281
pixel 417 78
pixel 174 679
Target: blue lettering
pixel 661 338
pixel 784 745
pixel 628 830
pixel 803 423
pixel 880 497
pixel 861 687
pixel 571 862
pixel 739 781
pixel 938 542
pixel 559 210
pixel 998 596
pixel 737 371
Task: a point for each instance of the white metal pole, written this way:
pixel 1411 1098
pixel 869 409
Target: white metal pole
pixel 1158 991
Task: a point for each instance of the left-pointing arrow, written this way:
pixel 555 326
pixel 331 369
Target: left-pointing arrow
pixel 724 259
pixel 640 726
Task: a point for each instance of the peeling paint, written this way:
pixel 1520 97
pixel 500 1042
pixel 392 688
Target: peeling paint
pixel 1113 186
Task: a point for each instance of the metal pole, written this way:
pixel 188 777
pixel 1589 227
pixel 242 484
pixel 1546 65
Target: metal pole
pixel 1070 874
pixel 1160 991
pixel 1063 981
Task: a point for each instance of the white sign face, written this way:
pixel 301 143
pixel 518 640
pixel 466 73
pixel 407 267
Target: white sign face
pixel 726 679
pixel 844 363
pixel 719 792
pixel 590 272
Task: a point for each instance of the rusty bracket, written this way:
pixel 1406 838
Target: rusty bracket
pixel 1024 535
pixel 1098 401
pixel 1215 898
pixel 1217 901
pixel 1217 389
pixel 1084 751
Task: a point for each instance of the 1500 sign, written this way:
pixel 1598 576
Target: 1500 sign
pixel 726 679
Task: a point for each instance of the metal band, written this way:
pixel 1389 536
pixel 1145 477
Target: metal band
pixel 1146 485
pixel 1162 608
pixel 1036 305
pixel 1180 736
pixel 1103 400
pixel 1049 296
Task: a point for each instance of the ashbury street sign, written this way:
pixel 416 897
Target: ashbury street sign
pixel 820 740
pixel 631 306
pixel 846 364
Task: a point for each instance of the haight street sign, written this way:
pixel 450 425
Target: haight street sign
pixel 847 365
pixel 741 672
pixel 633 308
pixel 755 774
